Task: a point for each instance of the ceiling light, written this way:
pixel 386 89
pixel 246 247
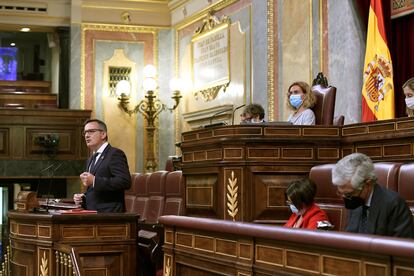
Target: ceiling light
pixel 12 44
pixel 25 29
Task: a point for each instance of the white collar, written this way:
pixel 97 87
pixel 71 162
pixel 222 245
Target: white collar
pixel 101 148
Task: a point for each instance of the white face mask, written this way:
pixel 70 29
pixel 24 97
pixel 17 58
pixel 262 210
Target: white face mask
pixel 409 102
pixel 294 209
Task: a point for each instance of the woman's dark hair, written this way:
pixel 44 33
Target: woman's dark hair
pixel 254 110
pixel 301 192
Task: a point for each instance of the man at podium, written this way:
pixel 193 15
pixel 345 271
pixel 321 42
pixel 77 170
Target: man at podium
pixel 106 175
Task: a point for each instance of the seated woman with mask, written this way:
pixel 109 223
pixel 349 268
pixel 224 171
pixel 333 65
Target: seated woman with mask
pixel 408 88
pixel 301 99
pixel 305 213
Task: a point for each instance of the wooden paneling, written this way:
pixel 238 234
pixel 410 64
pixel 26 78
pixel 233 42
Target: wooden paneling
pixel 271 156
pixel 281 251
pixel 20 128
pixel 28 100
pixel 4 142
pixel 104 244
pixel 25 86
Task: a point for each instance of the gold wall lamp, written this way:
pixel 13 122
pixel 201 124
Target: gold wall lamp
pixel 150 107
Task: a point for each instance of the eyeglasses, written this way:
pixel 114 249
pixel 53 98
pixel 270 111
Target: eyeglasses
pixel 91 131
pixel 349 195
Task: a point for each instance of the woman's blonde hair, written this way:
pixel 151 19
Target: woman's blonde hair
pixel 309 98
pixel 410 84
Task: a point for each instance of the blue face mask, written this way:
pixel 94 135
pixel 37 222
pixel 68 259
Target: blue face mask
pixel 293 209
pixel 295 100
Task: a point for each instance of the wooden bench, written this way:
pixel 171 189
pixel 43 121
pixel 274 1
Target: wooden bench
pixel 202 246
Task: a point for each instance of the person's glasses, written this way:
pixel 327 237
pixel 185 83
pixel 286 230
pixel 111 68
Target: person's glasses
pixel 91 131
pixel 348 195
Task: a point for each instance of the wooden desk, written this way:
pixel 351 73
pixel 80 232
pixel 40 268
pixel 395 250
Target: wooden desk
pixel 104 244
pixel 240 172
pixel 199 246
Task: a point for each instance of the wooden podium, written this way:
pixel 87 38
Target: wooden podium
pixel 240 172
pixel 66 244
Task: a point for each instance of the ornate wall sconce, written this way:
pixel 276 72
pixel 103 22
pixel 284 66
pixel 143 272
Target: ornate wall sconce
pixel 150 107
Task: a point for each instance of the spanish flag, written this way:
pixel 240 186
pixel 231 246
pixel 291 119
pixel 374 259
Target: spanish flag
pixel 378 87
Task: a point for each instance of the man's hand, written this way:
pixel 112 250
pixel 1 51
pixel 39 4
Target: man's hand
pixel 78 198
pixel 87 179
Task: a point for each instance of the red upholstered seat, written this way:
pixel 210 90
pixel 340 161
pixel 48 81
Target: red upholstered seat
pixel 169 166
pixel 156 196
pixel 174 194
pixel 132 189
pixel 325 105
pixel 130 194
pixel 141 195
pixel 326 191
pixel 406 184
pixel 326 196
pixel 150 234
pixel 387 174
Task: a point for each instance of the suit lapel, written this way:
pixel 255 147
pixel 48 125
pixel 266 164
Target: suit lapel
pixel 89 163
pixel 374 210
pixel 100 160
pixel 355 219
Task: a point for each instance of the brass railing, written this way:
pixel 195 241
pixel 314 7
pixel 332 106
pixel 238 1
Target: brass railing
pixel 65 263
pixel 5 266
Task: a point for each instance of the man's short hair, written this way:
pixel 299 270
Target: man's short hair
pixel 254 110
pixel 301 192
pixel 356 167
pixel 100 123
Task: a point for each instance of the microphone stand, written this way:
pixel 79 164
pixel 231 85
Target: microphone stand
pixel 50 183
pixel 218 113
pixel 232 115
pixel 215 115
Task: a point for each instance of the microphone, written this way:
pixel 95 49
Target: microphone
pixel 218 113
pixel 42 174
pixel 47 168
pixel 234 110
pixel 215 115
pixel 52 174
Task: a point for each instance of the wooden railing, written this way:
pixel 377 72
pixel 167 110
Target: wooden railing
pixel 201 246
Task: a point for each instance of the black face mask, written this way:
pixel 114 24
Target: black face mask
pixel 353 202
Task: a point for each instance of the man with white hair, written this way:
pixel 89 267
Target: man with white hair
pixel 372 209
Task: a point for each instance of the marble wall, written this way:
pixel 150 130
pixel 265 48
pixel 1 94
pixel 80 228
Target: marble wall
pixel 346 58
pixel 198 111
pixel 141 46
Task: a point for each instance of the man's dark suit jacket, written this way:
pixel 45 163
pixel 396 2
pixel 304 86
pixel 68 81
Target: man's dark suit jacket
pixel 388 215
pixel 112 178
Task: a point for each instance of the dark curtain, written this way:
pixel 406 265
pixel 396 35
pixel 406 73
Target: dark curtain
pixel 402 54
pixel 400 37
